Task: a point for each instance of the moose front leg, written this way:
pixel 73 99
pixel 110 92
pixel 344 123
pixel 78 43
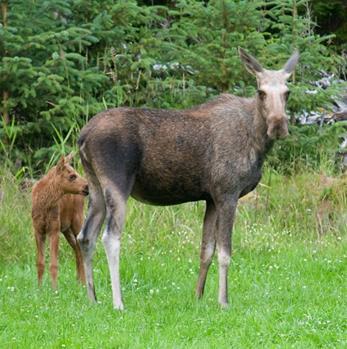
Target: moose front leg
pixel 225 220
pixel 208 245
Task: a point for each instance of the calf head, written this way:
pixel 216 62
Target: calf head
pixel 272 94
pixel 69 180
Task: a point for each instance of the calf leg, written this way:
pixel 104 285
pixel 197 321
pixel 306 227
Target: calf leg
pixel 54 247
pixel 115 208
pixel 226 211
pixel 40 257
pixel 208 245
pixel 71 239
pixel 91 228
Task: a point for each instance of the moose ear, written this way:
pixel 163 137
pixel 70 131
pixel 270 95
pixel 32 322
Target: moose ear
pixel 289 67
pixel 251 64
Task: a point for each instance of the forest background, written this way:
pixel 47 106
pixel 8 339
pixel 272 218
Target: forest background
pixel 63 61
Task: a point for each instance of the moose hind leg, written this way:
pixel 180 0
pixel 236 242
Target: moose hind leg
pixel 208 246
pixel 115 216
pixel 89 233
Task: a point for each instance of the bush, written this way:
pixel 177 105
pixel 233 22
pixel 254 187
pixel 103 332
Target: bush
pixel 308 147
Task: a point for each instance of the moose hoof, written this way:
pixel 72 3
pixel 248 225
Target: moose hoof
pixel 224 305
pixel 119 306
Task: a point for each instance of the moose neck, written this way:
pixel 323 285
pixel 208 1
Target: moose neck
pixel 262 141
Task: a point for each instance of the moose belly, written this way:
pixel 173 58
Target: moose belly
pixel 157 190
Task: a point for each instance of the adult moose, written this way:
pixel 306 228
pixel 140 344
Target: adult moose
pixel 212 152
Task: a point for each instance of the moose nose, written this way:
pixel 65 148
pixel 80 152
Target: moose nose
pixel 278 129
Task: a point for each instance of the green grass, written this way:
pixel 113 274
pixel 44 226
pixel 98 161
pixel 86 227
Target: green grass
pixel 287 287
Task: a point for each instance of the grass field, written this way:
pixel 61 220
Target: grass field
pixel 287 285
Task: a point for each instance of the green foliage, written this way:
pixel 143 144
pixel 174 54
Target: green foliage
pixel 311 147
pixel 64 61
pixel 331 17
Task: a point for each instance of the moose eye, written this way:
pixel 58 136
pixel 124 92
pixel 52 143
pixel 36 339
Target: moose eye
pixel 286 95
pixel 72 177
pixel 261 94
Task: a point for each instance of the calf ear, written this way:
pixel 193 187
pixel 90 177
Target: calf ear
pixel 68 158
pixel 289 67
pixel 251 64
pixel 61 164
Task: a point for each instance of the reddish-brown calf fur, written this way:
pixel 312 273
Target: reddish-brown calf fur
pixel 55 209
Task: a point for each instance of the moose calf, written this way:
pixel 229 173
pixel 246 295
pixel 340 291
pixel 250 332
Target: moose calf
pixel 55 209
pixel 213 152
